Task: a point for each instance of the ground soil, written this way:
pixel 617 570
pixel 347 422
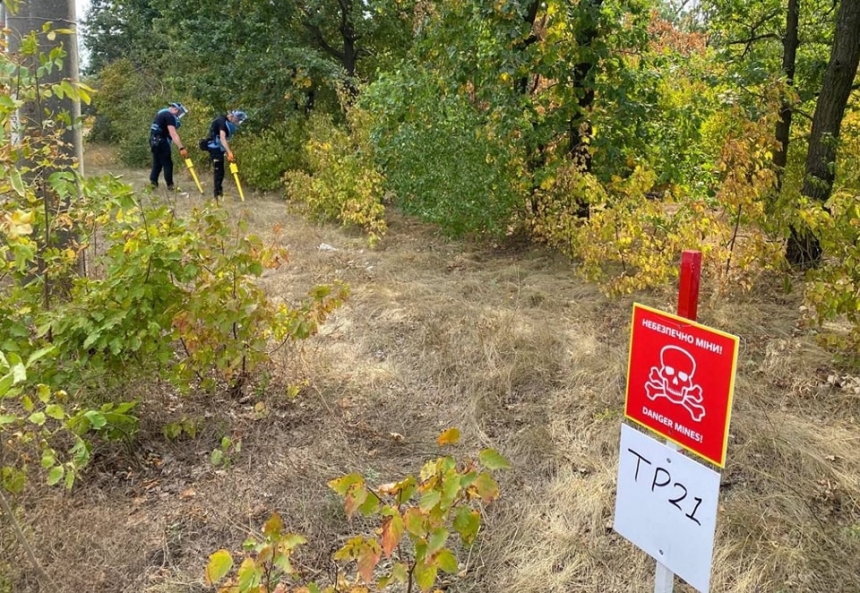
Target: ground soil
pixel 509 345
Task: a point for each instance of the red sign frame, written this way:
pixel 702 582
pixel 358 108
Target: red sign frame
pixel 680 381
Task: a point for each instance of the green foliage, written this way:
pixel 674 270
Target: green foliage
pixel 487 118
pixel 632 242
pixel 420 519
pixel 176 295
pixel 276 60
pixel 162 295
pixel 343 184
pixel 267 561
pixel 748 39
pixel 184 425
pixel 35 422
pixel 39 420
pixel 126 103
pixel 111 421
pixel 652 111
pixel 121 30
pixel 225 453
pixel 833 290
pixel 629 241
pixel 424 511
pixel 267 155
pixel 442 159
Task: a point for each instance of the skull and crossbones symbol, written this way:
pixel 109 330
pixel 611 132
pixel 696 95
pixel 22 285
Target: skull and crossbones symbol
pixel 674 381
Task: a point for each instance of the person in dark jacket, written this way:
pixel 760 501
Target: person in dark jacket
pixel 162 133
pixel 222 129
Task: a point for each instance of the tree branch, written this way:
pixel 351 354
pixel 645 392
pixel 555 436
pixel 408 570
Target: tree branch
pixel 22 539
pixel 749 41
pixel 316 33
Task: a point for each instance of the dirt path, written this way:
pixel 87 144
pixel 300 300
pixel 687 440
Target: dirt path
pixel 512 348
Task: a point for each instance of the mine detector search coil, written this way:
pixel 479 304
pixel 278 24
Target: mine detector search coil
pixel 190 164
pixel 183 110
pixel 234 169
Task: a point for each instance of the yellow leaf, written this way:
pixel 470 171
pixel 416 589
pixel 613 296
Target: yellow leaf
pixel 19 224
pixel 219 565
pixel 273 526
pixel 449 437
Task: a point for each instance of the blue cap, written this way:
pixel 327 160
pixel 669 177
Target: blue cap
pixel 239 115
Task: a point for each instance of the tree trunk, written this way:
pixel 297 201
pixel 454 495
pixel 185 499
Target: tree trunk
pixel 804 249
pixel 350 49
pixel 32 116
pixel 579 127
pixel 786 112
pixel 535 153
pixel 522 83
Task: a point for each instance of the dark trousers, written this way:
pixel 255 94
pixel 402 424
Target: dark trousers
pixel 217 170
pixel 161 161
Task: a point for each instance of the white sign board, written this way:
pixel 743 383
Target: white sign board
pixel 667 506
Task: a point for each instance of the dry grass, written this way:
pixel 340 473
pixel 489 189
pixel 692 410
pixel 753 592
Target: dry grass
pixel 512 348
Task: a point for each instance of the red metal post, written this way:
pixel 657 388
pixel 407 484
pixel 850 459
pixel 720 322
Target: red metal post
pixel 688 288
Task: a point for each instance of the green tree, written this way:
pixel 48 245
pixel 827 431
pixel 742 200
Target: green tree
pixel 121 29
pixel 270 58
pixel 530 76
pixel 804 248
pixel 351 32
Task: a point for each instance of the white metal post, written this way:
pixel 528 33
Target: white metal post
pixel 664 579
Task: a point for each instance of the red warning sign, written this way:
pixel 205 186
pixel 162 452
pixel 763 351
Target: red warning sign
pixel 680 380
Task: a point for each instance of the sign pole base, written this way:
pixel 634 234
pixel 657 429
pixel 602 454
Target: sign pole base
pixel 664 579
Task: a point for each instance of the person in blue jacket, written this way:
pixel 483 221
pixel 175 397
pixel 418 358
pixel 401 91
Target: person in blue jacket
pixel 162 133
pixel 222 129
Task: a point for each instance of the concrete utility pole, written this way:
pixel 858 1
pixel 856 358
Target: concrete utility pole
pixel 31 16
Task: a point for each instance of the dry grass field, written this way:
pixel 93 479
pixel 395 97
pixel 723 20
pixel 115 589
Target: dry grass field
pixel 509 346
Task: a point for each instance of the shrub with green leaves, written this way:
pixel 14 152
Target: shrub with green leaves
pixel 265 156
pixel 116 289
pixel 833 289
pixel 34 422
pixel 423 521
pixel 343 184
pixel 39 261
pixel 176 295
pixel 443 160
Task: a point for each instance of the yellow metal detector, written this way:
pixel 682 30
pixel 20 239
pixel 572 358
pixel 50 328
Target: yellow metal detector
pixel 235 171
pixel 190 166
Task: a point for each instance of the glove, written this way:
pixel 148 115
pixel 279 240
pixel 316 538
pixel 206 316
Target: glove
pixel 230 157
pixel 183 152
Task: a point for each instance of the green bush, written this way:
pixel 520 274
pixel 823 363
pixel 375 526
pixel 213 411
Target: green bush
pixel 441 160
pixel 41 425
pixel 422 522
pixel 265 157
pixel 343 185
pixel 125 104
